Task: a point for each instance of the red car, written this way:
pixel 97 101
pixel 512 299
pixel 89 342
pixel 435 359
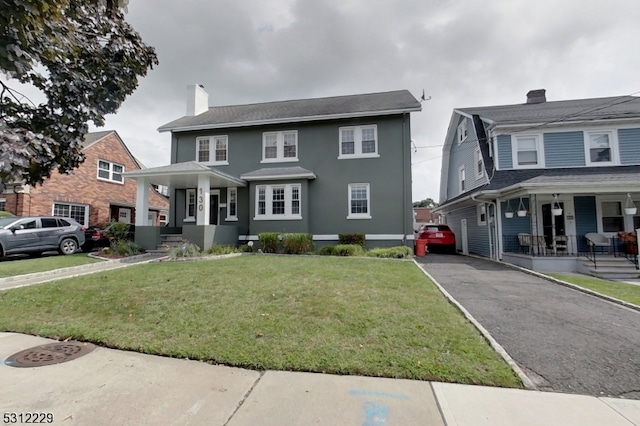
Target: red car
pixel 438 237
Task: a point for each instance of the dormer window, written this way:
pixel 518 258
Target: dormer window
pixel 462 131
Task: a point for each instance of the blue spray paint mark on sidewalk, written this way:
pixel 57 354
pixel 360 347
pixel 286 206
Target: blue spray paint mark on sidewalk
pixel 375 414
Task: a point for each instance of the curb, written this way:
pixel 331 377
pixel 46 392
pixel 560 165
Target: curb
pixel 526 381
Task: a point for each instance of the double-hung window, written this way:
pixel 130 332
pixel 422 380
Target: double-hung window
pixel 190 213
pixel 359 201
pixel 213 150
pixel 109 171
pixel 463 179
pixel 600 148
pixel 479 164
pixel 527 151
pixel 278 202
pixel 358 142
pixel 463 131
pixel 612 218
pixel 280 146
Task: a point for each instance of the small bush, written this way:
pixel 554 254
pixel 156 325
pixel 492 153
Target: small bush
pixel 348 250
pixel 297 243
pixel 118 231
pixel 222 249
pixel 186 250
pixel 399 252
pixel 246 248
pixel 269 242
pixel 358 239
pixel 328 251
pixel 126 248
pixel 5 214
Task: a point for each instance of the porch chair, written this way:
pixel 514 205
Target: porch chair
pixel 597 240
pixel 525 242
pixel 561 243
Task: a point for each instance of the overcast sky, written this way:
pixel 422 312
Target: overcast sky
pixel 463 53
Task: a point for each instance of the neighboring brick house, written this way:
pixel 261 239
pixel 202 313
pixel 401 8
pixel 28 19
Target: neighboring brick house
pixel 94 193
pixel 424 215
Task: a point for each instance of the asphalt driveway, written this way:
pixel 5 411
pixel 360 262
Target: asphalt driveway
pixel 563 339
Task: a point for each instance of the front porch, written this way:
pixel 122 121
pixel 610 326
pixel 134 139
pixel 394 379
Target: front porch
pixel 608 257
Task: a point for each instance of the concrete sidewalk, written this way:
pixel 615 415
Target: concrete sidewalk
pixel 106 387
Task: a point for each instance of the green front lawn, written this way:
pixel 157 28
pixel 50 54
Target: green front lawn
pixel 13 266
pixel 620 290
pixel 300 313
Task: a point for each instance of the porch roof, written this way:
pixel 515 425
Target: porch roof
pixel 279 173
pixel 185 175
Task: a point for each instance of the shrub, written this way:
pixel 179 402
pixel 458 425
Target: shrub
pixel 269 241
pixel 328 251
pixel 221 249
pixel 5 214
pixel 126 248
pixel 246 248
pixel 118 231
pixel 186 250
pixel 348 250
pixel 399 252
pixel 358 239
pixel 297 243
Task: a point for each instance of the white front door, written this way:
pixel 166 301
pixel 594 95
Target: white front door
pixel 124 215
pixel 152 218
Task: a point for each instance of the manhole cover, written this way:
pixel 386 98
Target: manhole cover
pixel 52 353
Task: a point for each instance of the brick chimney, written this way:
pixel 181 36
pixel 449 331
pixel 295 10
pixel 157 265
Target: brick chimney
pixel 536 96
pixel 197 99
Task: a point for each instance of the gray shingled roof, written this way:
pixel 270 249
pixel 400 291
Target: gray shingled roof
pixel 93 137
pixel 581 175
pixel 574 110
pixel 299 110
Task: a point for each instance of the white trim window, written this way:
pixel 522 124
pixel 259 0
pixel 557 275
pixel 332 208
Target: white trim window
pixel 111 172
pixel 190 205
pixel 527 151
pixel 278 147
pixel 462 179
pixel 78 212
pixel 463 131
pixel 232 204
pixel 601 148
pixel 612 218
pixel 278 202
pixel 213 150
pixel 358 142
pixel 479 164
pixel 359 201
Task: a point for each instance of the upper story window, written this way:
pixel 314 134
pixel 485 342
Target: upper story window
pixel 110 171
pixel 463 130
pixel 601 148
pixel 280 146
pixel 359 201
pixel 358 142
pixel 527 151
pixel 479 164
pixel 278 202
pixel 463 179
pixel 213 150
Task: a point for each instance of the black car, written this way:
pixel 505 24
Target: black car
pixel 96 237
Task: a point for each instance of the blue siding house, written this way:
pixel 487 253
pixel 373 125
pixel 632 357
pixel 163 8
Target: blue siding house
pixel 320 166
pixel 525 183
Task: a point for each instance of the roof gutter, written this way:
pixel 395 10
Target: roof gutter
pixel 288 120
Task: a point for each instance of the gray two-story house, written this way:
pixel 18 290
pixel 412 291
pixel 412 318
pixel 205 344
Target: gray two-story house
pixel 528 183
pixel 321 166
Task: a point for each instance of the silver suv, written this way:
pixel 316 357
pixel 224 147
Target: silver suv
pixel 35 235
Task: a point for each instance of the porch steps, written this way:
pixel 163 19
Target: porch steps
pixel 170 241
pixel 611 268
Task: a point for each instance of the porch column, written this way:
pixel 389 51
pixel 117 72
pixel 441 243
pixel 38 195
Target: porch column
pixel 142 202
pixel 203 198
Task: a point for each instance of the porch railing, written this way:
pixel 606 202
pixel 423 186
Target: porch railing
pixel 571 245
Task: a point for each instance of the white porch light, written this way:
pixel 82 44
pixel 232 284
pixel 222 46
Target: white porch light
pixel 629 207
pixel 556 210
